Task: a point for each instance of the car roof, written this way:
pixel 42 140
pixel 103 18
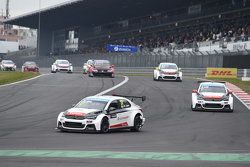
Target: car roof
pixel 168 63
pixel 105 98
pixel 7 60
pixel 212 84
pixel 61 60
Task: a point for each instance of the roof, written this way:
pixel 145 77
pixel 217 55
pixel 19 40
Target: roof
pixel 212 84
pixel 105 97
pixel 89 13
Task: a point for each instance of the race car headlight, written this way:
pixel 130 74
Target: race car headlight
pixel 91 116
pixel 64 113
pixel 225 98
pixel 199 97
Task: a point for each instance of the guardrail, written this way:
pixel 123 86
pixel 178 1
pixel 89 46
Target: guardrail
pixel 197 72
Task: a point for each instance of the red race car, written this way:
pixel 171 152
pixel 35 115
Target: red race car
pixel 101 67
pixel 30 66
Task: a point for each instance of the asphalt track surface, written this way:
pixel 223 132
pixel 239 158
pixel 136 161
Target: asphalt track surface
pixel 28 113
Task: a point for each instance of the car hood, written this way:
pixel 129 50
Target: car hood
pixel 169 70
pixel 212 95
pixel 9 65
pixel 102 67
pixel 63 65
pixel 79 111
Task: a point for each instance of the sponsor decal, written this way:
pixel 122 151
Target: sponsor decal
pixel 75 114
pixel 124 124
pixel 222 72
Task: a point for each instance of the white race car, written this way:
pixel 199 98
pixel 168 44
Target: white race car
pixel 7 65
pixel 167 71
pixel 101 114
pixel 212 96
pixel 62 65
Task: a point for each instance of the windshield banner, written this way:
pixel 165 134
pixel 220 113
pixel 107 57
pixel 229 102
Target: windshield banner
pixel 122 48
pixel 221 72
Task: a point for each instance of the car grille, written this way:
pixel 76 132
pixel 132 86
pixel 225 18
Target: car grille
pixel 100 71
pixel 73 125
pixel 212 99
pixel 169 77
pixel 74 117
pixel 208 105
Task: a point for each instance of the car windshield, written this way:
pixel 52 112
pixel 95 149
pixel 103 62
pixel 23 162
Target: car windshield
pixel 212 89
pixel 30 64
pixel 92 104
pixel 102 63
pixel 8 62
pixel 168 66
pixel 63 62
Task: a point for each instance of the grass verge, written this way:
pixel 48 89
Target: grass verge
pixel 244 85
pixel 9 77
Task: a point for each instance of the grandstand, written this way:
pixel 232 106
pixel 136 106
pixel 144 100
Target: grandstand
pixel 192 33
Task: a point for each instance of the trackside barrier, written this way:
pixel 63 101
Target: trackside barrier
pixel 196 72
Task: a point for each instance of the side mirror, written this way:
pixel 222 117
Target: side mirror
pixel 195 91
pixel 112 66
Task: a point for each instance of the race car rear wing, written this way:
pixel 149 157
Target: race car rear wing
pixel 143 98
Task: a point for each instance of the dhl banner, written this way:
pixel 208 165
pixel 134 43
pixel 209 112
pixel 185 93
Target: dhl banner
pixel 221 72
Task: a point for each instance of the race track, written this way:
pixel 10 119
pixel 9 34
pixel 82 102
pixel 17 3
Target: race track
pixel 28 113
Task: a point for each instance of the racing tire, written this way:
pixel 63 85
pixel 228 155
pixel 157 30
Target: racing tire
pixel 137 124
pixel 104 126
pixel 112 75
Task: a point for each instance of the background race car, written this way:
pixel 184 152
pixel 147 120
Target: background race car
pixel 30 66
pixel 7 65
pixel 87 65
pixel 101 67
pixel 212 96
pixel 167 71
pixel 62 65
pixel 102 113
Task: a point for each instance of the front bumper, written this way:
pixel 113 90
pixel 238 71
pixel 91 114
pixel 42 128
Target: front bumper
pixel 103 72
pixel 213 105
pixel 77 125
pixel 170 77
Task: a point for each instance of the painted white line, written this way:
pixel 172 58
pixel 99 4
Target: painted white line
pixel 18 82
pixel 114 87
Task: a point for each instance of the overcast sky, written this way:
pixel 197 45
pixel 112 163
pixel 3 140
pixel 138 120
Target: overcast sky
pixel 19 7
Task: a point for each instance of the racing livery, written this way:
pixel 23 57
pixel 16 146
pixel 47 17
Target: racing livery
pixel 7 65
pixel 101 114
pixel 212 96
pixel 61 65
pixel 30 66
pixel 167 71
pixel 101 67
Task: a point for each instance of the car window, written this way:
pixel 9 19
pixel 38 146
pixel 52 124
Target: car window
pixel 124 103
pixel 114 105
pixel 211 88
